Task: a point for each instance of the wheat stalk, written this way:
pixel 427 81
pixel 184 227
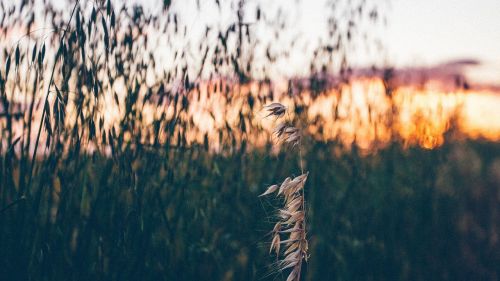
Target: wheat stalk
pixel 289 240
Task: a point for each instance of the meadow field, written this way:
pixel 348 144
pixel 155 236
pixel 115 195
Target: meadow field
pixel 119 164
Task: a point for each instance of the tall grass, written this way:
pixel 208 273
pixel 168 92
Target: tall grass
pixel 292 216
pixel 105 174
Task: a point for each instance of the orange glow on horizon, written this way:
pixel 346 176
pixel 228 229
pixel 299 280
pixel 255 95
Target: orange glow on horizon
pixel 360 112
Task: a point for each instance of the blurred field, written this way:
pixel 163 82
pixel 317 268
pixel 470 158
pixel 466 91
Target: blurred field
pixel 131 149
pixel 397 215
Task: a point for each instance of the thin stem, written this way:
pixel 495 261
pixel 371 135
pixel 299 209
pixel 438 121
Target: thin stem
pixel 22 198
pixel 51 80
pixel 303 224
pixel 301 161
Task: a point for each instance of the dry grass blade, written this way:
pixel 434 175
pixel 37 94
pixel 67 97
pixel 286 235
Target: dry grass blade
pixel 270 190
pixel 275 109
pixel 290 230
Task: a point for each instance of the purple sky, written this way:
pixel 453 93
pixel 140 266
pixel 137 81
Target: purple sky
pixel 426 32
pixel 420 33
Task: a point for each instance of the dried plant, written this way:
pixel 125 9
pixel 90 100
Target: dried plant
pixel 289 239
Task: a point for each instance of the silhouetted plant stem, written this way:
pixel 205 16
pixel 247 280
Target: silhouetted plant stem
pixel 58 53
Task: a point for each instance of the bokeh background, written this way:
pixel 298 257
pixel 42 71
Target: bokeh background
pixel 134 146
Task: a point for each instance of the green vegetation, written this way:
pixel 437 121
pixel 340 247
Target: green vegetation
pixel 149 195
pixel 399 215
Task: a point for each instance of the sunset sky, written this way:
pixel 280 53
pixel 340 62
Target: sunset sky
pixel 429 32
pixel 418 32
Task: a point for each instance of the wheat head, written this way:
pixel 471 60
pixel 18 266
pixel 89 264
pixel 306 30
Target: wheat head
pixel 289 239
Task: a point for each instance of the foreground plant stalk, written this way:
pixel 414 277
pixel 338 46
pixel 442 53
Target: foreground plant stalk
pixel 289 236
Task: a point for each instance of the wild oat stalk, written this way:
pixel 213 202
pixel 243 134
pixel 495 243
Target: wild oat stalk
pixel 289 240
